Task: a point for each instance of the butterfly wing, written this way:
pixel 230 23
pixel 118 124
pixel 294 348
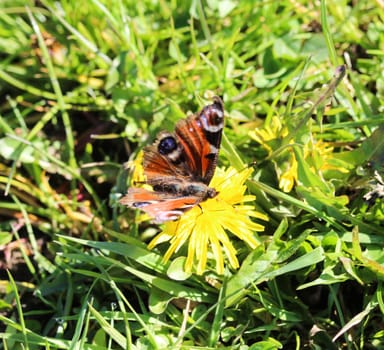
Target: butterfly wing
pixel 191 152
pixel 160 206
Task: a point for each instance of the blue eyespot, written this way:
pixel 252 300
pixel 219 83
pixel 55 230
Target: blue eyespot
pixel 167 145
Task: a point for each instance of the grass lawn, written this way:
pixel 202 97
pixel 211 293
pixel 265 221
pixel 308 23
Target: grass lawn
pixel 288 254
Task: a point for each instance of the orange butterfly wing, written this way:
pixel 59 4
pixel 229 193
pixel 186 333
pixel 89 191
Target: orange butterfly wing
pixel 200 137
pixel 160 206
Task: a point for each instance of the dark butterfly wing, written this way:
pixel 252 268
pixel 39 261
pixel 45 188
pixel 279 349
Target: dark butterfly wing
pixel 192 151
pixel 200 137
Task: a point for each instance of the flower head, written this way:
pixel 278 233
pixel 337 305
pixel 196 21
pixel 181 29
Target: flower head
pixel 268 133
pixel 138 170
pixel 317 153
pixel 205 226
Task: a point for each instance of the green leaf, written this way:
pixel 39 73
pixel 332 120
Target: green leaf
pixel 176 270
pixel 372 149
pixel 332 205
pixel 307 177
pixel 9 149
pixel 159 300
pixel 259 267
pixel 108 328
pixel 5 237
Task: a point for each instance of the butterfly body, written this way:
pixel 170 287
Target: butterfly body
pixel 180 165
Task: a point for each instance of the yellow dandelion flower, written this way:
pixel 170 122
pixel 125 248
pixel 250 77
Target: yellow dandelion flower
pixel 321 156
pixel 205 226
pixel 138 170
pixel 318 154
pixel 269 132
pixel 138 178
pixel 289 177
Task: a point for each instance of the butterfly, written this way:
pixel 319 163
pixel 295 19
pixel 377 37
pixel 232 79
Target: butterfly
pixel 180 165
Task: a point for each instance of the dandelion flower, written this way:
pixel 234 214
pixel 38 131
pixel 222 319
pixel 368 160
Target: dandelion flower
pixel 269 132
pixel 289 177
pixel 205 227
pixel 318 154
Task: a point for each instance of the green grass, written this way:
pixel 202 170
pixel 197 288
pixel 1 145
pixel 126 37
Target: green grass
pixel 85 87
